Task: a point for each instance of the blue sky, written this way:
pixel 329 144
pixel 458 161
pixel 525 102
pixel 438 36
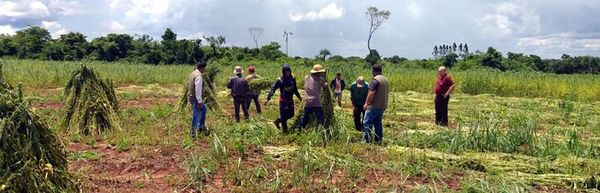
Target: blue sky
pixel 547 28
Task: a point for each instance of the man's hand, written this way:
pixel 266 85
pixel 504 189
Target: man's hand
pixel 446 95
pixel 366 107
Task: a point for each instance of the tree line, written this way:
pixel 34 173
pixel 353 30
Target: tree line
pixel 36 43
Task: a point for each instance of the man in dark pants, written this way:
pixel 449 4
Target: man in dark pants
pixel 253 95
pixel 287 89
pixel 239 91
pixel 442 90
pixel 376 104
pixel 313 85
pixel 338 85
pixel 358 95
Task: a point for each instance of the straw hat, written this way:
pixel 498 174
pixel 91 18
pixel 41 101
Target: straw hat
pixel 238 70
pixel 317 68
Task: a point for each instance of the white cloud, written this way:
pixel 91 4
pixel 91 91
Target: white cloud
pixel 23 9
pixel 56 29
pixel 66 8
pixel 563 42
pixel 508 19
pixel 7 29
pixel 114 27
pixel 329 12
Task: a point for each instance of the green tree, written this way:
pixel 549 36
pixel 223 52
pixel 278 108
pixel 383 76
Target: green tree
pixel 373 57
pixel 112 46
pixel 54 50
pixel 271 51
pixel 215 42
pixel 375 18
pixel 8 47
pixel 324 52
pixel 450 59
pixel 75 45
pixel 31 41
pixel 169 35
pixel 492 59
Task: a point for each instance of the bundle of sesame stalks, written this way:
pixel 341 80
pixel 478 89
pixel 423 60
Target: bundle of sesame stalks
pixel 91 106
pixel 31 157
pixel 208 86
pixel 257 85
pixel 3 83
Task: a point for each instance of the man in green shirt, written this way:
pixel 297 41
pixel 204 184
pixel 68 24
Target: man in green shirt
pixel 358 95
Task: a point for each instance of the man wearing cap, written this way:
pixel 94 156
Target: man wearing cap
pixel 239 91
pixel 338 85
pixel 195 98
pixel 442 90
pixel 375 105
pixel 358 95
pixel 253 94
pixel 287 89
pixel 313 84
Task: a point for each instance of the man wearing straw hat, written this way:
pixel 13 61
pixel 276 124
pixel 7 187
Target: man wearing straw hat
pixel 358 95
pixel 313 85
pixel 239 91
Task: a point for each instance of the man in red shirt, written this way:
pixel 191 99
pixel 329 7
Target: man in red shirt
pixel 442 90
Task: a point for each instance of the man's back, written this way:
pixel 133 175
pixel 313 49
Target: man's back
pixel 238 86
pixel 312 87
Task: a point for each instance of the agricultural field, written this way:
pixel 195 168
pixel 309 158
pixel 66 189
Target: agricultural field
pixel 509 132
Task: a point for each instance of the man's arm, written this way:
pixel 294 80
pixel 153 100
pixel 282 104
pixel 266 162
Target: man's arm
pixel 275 86
pixel 369 100
pixel 449 91
pixel 296 91
pixel 198 89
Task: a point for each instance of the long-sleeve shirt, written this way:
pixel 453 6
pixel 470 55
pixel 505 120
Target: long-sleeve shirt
pixel 238 86
pixel 287 89
pixel 198 89
pixel 358 95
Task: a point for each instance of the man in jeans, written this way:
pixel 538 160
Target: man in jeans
pixel 239 91
pixel 375 105
pixel 358 95
pixel 287 89
pixel 194 85
pixel 442 90
pixel 338 85
pixel 313 84
pixel 253 94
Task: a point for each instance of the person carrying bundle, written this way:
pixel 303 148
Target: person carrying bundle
pixel 313 85
pixel 287 89
pixel 253 94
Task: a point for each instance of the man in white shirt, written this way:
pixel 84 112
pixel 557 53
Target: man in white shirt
pixel 194 85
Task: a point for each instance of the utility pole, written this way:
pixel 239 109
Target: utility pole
pixel 286 35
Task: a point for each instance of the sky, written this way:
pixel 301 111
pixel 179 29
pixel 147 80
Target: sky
pixel 547 28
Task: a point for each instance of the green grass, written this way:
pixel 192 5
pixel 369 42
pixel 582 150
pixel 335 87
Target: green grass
pixel 43 74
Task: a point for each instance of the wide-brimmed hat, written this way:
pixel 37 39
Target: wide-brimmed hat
pixel 317 68
pixel 360 81
pixel 238 70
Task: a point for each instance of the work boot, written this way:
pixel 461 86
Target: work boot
pixel 277 123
